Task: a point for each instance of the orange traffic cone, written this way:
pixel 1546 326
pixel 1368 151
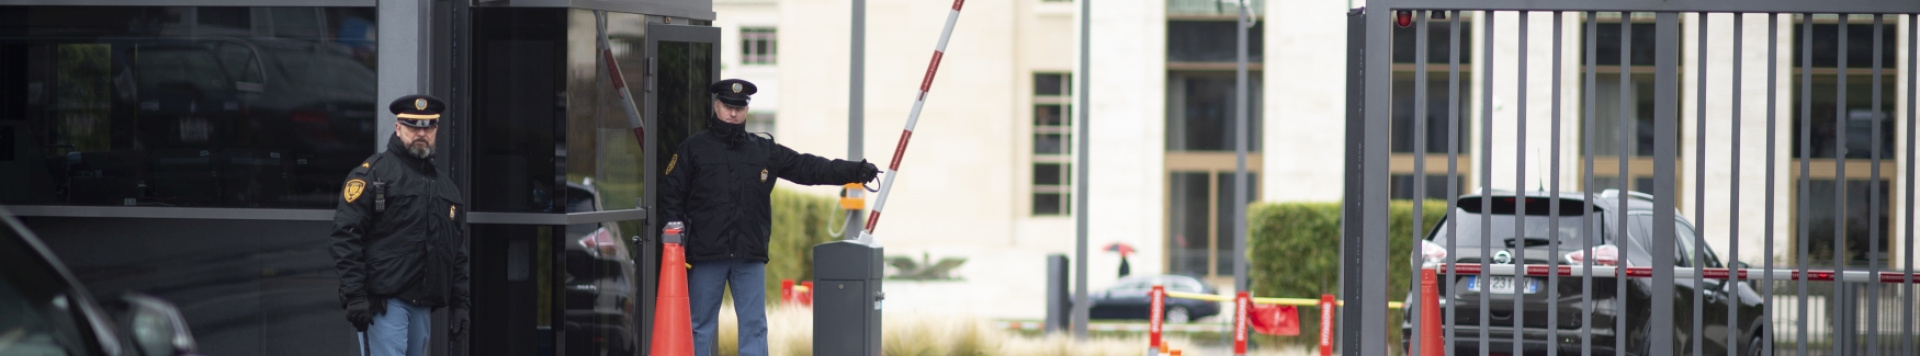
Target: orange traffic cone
pixel 1431 342
pixel 672 322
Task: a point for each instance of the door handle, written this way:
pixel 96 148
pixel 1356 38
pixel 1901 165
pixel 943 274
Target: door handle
pixel 651 75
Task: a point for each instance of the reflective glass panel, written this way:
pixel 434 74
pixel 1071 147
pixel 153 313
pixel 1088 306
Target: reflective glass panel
pixel 184 106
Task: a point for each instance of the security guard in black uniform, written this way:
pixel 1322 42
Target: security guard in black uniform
pixel 718 184
pixel 398 242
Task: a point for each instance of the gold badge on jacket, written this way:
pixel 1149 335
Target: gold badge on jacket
pixel 763 173
pixel 354 188
pixel 450 210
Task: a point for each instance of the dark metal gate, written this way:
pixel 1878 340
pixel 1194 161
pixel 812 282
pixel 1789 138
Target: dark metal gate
pixel 1585 270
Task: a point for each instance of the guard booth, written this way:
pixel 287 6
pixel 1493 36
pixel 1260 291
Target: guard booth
pixel 565 235
pixel 193 150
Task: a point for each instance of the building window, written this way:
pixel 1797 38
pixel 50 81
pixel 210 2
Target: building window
pixel 1832 119
pixel 763 122
pixel 1623 106
pixel 1200 225
pixel 1212 40
pixel 759 45
pixel 1439 110
pixel 1052 144
pixel 1200 111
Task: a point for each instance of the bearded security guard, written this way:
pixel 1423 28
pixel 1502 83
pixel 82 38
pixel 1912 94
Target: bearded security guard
pixel 718 184
pixel 398 242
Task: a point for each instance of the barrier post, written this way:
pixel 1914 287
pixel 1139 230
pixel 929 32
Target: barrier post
pixel 1326 325
pixel 786 292
pixel 1241 304
pixel 1159 299
pixel 806 293
pixel 1431 342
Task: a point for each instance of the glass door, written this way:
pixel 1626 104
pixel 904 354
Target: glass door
pixel 681 61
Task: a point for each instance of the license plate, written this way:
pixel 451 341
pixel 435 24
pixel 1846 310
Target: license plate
pixel 1502 285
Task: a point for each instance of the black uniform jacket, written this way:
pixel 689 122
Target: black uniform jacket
pixel 718 184
pixel 415 249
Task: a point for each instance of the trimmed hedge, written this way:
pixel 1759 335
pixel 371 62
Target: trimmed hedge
pixel 1294 252
pixel 800 220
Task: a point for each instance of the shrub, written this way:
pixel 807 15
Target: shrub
pixel 800 220
pixel 1294 252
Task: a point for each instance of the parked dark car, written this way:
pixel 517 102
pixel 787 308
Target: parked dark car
pixel 310 111
pixel 600 280
pixel 44 310
pixel 1127 299
pixel 1533 246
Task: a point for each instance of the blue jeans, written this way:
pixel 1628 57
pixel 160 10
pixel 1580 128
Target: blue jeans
pixel 748 280
pixel 402 330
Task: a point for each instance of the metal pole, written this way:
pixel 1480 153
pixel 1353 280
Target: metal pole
pixel 856 105
pixel 1364 283
pixel 1080 302
pixel 1240 155
pixel 913 118
pixel 1665 123
pixel 1359 38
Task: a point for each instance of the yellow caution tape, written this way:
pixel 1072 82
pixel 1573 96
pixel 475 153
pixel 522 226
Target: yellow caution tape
pixel 1305 302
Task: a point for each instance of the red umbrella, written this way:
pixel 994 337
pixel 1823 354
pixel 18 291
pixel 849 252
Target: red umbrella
pixel 1122 248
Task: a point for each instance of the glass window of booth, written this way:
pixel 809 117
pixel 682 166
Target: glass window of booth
pixel 184 106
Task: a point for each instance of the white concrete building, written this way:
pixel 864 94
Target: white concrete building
pixel 987 175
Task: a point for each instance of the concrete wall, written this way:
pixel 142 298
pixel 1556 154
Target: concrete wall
pixel 1305 78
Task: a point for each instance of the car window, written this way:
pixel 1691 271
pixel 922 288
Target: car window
pixel 1683 236
pixel 37 317
pixel 1538 230
pixel 240 62
pixel 1641 233
pixel 173 67
pixel 1186 285
pixel 323 70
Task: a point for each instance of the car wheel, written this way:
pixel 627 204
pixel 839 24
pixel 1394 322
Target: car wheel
pixel 1177 315
pixel 1757 347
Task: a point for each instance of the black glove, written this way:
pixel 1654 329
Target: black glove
pixel 868 171
pixel 458 323
pixel 379 306
pixel 358 314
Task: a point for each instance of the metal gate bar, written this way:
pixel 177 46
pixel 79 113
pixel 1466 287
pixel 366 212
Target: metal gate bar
pixel 1806 158
pixel 1773 63
pixel 1700 178
pixel 1361 328
pixel 1913 55
pixel 1587 226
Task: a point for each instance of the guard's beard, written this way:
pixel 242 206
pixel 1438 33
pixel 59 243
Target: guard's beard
pixel 419 148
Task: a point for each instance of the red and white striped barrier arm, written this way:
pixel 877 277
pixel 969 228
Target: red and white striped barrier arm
pixel 893 169
pixel 620 82
pixel 1777 274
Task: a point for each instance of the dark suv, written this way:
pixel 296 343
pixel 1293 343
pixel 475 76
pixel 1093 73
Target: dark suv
pixel 1533 246
pixel 44 310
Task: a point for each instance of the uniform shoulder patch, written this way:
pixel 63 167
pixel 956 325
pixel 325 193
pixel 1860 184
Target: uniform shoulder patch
pixel 353 189
pixel 671 162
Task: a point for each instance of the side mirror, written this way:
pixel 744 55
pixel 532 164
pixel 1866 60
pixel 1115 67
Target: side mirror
pixel 154 325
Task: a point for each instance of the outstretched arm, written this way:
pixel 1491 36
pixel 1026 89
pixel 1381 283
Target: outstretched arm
pixel 813 170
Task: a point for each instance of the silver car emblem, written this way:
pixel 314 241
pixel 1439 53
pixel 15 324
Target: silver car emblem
pixel 1502 257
